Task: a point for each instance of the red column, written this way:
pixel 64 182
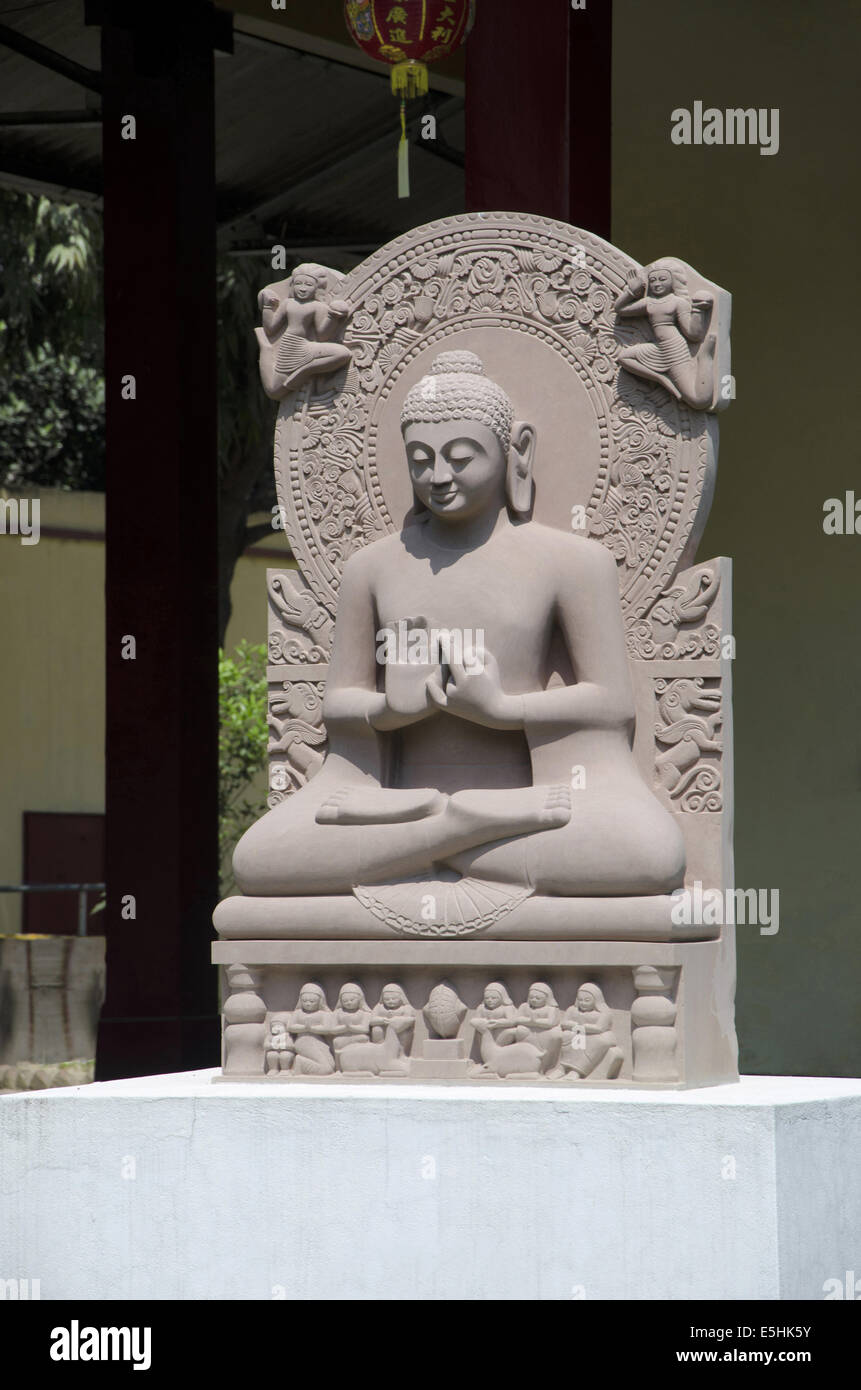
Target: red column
pixel 162 746
pixel 538 111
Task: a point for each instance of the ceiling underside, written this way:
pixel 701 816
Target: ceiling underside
pixel 305 144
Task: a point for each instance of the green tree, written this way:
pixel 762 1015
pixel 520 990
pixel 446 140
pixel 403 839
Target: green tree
pixel 242 741
pixel 52 370
pixel 51 349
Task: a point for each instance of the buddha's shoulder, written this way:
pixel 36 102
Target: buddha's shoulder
pixel 368 559
pixel 572 550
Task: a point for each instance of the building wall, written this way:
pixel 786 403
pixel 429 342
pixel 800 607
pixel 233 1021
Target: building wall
pixel 780 232
pixel 52 701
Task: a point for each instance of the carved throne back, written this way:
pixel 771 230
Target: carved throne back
pixel 619 459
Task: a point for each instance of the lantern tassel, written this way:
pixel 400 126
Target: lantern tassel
pixel 410 79
pixel 403 156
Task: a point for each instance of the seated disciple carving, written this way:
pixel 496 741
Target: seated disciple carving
pixel 497 1008
pixel 465 767
pixel 530 1039
pixel 681 357
pixel 355 1050
pixel 589 1036
pixel 302 331
pixel 310 1027
pixel 538 1022
pixel 279 1051
pixel 394 1012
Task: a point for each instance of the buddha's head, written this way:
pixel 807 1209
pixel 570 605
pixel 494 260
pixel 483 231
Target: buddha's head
pixel 466 453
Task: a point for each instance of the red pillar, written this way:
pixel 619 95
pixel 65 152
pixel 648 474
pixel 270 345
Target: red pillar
pixel 538 112
pixel 162 747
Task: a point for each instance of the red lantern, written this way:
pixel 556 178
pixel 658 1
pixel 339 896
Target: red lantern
pixel 408 35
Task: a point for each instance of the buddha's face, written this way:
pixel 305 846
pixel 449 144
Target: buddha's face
pixel 304 287
pixel 660 282
pixel 492 998
pixel 391 998
pixel 537 998
pixel 457 468
pixel 585 999
pixel 350 999
pixel 308 1001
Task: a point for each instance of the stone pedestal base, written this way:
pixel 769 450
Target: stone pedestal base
pixel 172 1188
pixel 669 1009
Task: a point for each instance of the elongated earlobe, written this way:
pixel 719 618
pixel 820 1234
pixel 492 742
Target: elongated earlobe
pixel 518 481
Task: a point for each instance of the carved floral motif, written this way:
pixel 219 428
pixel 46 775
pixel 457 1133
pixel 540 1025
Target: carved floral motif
pixel 537 278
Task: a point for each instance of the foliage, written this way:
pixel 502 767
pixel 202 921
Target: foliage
pixel 51 369
pixel 242 740
pixel 52 423
pixel 51 351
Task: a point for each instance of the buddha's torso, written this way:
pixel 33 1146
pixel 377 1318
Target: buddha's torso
pixel 501 594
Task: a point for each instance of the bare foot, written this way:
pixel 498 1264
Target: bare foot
pixel 380 806
pixel 496 815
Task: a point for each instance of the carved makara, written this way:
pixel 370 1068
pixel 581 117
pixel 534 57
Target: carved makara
pixel 687 766
pixel 300 628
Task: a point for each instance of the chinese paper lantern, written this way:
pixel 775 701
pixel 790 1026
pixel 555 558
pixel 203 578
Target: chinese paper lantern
pixel 408 36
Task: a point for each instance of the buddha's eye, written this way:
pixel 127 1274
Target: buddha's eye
pixel 420 458
pixel 461 455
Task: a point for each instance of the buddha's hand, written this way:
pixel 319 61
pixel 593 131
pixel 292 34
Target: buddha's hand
pixel 474 691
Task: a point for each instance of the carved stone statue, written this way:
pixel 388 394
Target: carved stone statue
pixel 474 560
pixel 682 355
pixel 396 1013
pixel 280 1052
pixel 590 1039
pixel 353 1026
pixel 499 690
pixel 302 330
pixel 498 1011
pixel 310 1028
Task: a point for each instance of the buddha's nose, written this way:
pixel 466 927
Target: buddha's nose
pixel 442 473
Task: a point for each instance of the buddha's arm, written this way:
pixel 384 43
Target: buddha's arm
pixel 590 616
pixel 352 701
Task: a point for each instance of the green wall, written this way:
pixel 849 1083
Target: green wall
pixel 781 233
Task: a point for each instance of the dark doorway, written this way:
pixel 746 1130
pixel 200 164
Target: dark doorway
pixel 61 847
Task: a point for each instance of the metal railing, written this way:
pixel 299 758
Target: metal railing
pixel 82 889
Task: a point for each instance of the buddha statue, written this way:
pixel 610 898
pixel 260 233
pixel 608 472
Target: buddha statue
pixel 457 757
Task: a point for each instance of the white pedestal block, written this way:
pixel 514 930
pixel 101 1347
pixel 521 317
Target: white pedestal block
pixel 170 1187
